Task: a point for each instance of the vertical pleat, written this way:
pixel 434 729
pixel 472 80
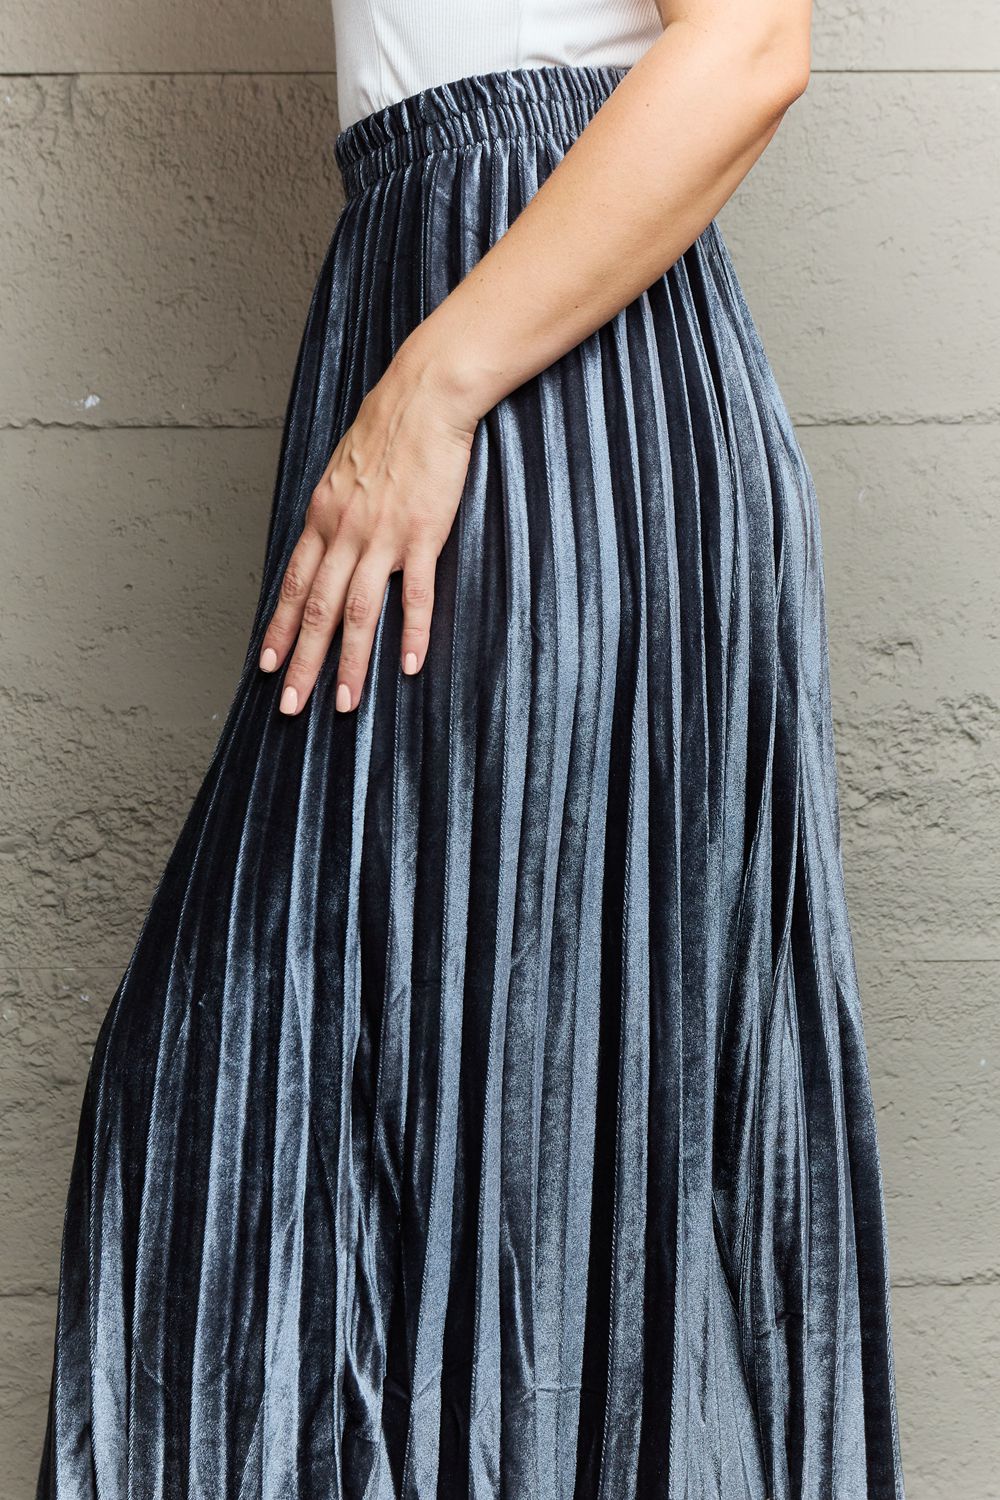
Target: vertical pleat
pixel 485 1109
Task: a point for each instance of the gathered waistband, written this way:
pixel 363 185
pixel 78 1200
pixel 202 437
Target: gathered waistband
pixel 555 100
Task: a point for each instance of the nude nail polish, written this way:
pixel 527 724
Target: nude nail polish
pixel 410 663
pixel 268 659
pixel 343 698
pixel 289 701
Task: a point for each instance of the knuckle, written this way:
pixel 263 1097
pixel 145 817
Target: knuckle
pixel 320 504
pixel 358 607
pixel 292 584
pixel 317 612
pixel 416 592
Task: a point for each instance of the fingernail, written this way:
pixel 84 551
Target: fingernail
pixel 268 660
pixel 410 663
pixel 289 701
pixel 343 698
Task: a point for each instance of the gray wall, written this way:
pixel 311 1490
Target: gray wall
pixel 167 193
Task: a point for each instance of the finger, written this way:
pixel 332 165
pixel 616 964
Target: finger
pixel 321 614
pixel 362 607
pixel 418 606
pixel 295 585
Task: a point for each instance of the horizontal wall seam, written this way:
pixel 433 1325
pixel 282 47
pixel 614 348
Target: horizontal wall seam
pixel 985 1279
pixel 991 72
pixel 274 424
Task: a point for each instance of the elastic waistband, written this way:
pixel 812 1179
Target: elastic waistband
pixel 556 100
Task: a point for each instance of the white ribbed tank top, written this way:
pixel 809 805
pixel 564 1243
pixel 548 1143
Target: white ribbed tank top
pixel 388 49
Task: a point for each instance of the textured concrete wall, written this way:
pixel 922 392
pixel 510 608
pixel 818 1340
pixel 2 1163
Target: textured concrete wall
pixel 168 191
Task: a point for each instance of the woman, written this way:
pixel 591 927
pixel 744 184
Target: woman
pixel 484 1110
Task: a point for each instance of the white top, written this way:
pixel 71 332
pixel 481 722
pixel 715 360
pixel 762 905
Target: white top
pixel 389 49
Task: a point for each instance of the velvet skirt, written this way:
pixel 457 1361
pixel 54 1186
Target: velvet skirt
pixel 484 1111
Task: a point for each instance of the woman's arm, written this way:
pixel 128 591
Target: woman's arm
pixel 643 179
pixel 653 167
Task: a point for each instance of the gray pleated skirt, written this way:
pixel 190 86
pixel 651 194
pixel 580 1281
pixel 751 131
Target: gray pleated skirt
pixel 484 1111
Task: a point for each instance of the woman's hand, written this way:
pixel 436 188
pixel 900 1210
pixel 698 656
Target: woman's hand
pixel 386 502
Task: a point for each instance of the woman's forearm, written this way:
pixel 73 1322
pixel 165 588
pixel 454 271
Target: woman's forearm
pixel 644 178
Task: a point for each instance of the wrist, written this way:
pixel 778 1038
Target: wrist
pixel 460 384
